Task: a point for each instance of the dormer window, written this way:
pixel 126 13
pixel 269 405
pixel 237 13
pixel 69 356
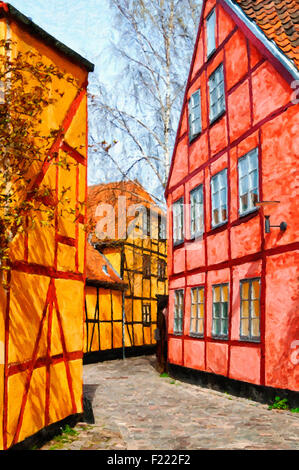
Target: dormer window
pixel 211 33
pixel 194 115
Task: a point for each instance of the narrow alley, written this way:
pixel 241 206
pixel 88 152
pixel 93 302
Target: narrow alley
pixel 137 409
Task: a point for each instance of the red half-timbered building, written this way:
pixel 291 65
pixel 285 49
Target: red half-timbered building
pixel 231 196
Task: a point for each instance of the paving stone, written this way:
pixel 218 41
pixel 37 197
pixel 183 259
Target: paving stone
pixel 136 409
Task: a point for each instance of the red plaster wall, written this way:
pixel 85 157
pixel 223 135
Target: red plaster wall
pixel 259 114
pixel 245 364
pixel 217 358
pixel 282 321
pixel 175 353
pixel 194 353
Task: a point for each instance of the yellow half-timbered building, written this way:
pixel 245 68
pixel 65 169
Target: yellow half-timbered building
pixel 41 311
pixel 129 229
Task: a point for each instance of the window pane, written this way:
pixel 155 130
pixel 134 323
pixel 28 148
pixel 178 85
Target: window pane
pixel 211 23
pixel 200 327
pixel 216 217
pixel 217 310
pixel 253 198
pixel 255 289
pixel 245 309
pixel 255 308
pixel 223 214
pixel 201 296
pixel 223 196
pixel 193 325
pixel 224 328
pixel 244 185
pixel 243 166
pixel 245 290
pixel 253 159
pixel 216 294
pixel 255 327
pixel 224 312
pixel 195 99
pixel 201 311
pixel 253 179
pixel 224 296
pixel 245 327
pixel 216 326
pixel 244 202
pixel 194 311
pixel 194 296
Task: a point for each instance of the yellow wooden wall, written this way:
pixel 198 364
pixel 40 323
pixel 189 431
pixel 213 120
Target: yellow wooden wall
pixel 41 315
pixel 140 290
pixel 106 332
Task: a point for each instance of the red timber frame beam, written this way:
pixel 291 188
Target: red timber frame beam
pixel 230 263
pixel 51 299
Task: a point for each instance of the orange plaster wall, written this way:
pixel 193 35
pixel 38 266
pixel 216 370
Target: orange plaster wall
pixel 180 168
pixel 245 364
pixel 280 143
pixel 194 354
pixel 199 57
pixel 217 247
pixel 225 24
pixel 236 59
pixel 175 351
pixel 198 152
pixel 239 111
pixel 179 260
pixel 270 91
pixel 218 136
pixel 217 358
pixel 246 238
pixel 195 254
pixel 278 140
pixel 282 325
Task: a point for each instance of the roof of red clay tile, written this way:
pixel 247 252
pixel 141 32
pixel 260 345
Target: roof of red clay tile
pixel 278 19
pixel 108 193
pixel 98 268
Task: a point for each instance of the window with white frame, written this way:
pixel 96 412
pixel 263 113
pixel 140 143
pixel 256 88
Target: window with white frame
pixel 220 311
pixel 197 311
pixel 162 232
pixel 196 212
pixel 250 309
pixel 178 221
pixel 178 311
pixel 194 115
pixel 219 198
pixel 211 33
pixel 217 95
pixel 248 181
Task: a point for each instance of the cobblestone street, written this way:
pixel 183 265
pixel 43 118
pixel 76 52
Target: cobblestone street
pixel 136 409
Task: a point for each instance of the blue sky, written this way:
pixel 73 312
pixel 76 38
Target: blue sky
pixel 83 25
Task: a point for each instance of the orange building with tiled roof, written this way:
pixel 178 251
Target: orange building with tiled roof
pixel 129 230
pixel 232 203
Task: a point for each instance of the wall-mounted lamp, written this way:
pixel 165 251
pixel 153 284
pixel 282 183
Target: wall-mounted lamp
pixel 282 226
